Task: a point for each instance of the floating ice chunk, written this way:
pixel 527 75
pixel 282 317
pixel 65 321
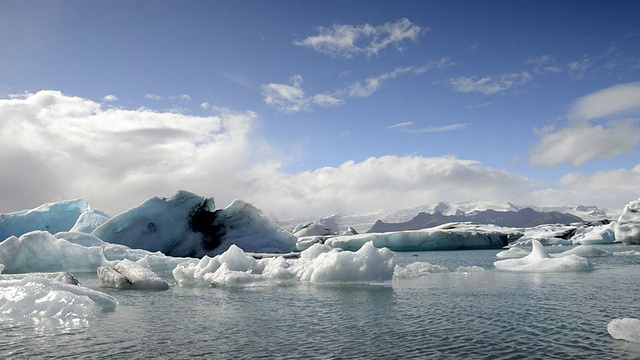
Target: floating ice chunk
pixel 540 261
pixel 89 221
pixel 513 253
pixel 52 217
pixel 312 229
pixel 591 235
pixel 318 264
pixel 46 303
pixel 41 251
pixel 418 269
pixel 1 268
pixel 585 251
pixel 627 228
pixel 625 329
pixel 454 236
pixel 63 277
pixel 367 265
pixel 129 275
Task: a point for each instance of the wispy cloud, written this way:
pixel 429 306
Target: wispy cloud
pixel 408 127
pixel 152 97
pixel 350 40
pixel 183 97
pixel 489 85
pixel 291 98
pixel 543 64
pixel 578 69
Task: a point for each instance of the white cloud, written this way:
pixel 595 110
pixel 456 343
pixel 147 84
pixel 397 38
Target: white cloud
pixel 543 64
pixel 583 140
pixel 615 100
pixel 152 97
pixel 205 106
pixel 349 40
pixel 183 97
pixel 578 69
pixel 110 98
pixel 291 98
pixel 286 98
pixel 490 85
pixel 407 127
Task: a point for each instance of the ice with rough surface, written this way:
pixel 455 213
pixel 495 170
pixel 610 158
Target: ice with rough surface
pixel 89 221
pixel 318 264
pixel 540 261
pixel 188 225
pixel 41 251
pixel 455 236
pixel 418 269
pixel 627 228
pixel 51 217
pixel 46 303
pixel 127 275
pixel 625 329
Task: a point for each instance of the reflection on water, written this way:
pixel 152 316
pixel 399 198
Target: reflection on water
pixel 491 314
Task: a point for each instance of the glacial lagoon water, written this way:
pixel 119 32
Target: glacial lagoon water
pixel 490 314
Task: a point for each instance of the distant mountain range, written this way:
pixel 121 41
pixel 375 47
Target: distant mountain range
pixel 526 217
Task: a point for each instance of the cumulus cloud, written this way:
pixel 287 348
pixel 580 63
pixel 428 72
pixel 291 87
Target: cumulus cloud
pixel 55 147
pixel 286 98
pixel 490 85
pixel 350 40
pixel 584 139
pixel 110 98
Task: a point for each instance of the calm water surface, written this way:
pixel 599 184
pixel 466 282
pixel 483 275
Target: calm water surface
pixel 492 314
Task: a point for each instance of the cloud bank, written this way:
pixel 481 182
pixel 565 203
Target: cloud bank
pixel 55 147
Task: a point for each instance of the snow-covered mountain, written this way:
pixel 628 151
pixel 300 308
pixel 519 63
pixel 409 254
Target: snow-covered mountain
pixel 364 222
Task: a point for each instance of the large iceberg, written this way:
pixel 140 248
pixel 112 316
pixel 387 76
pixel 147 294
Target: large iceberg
pixel 47 303
pixel 625 329
pixel 186 224
pixel 89 221
pixel 456 236
pixel 627 228
pixel 318 264
pixel 51 217
pixel 539 260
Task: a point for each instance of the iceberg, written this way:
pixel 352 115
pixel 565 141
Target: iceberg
pixel 41 251
pixel 418 269
pixel 311 229
pixel 627 228
pixel 319 264
pixel 187 225
pixel 585 251
pixel 51 217
pixel 129 275
pixel 455 236
pixel 625 329
pixel 540 261
pixel 47 303
pixel 513 253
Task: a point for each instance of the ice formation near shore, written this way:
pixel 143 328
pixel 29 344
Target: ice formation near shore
pixel 539 260
pixel 318 264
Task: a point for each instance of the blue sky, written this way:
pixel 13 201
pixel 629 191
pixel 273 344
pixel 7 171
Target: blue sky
pixel 320 106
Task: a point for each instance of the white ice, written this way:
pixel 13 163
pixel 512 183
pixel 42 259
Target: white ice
pixel 585 251
pixel 52 217
pixel 45 303
pixel 540 261
pixel 418 269
pixel 456 236
pixel 311 229
pixel 89 221
pixel 129 275
pixel 625 329
pixel 318 264
pixel 513 253
pixel 627 228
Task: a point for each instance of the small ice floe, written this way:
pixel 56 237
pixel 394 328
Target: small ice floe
pixel 585 251
pixel 418 269
pixel 625 329
pixel 127 275
pixel 540 261
pixel 513 253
